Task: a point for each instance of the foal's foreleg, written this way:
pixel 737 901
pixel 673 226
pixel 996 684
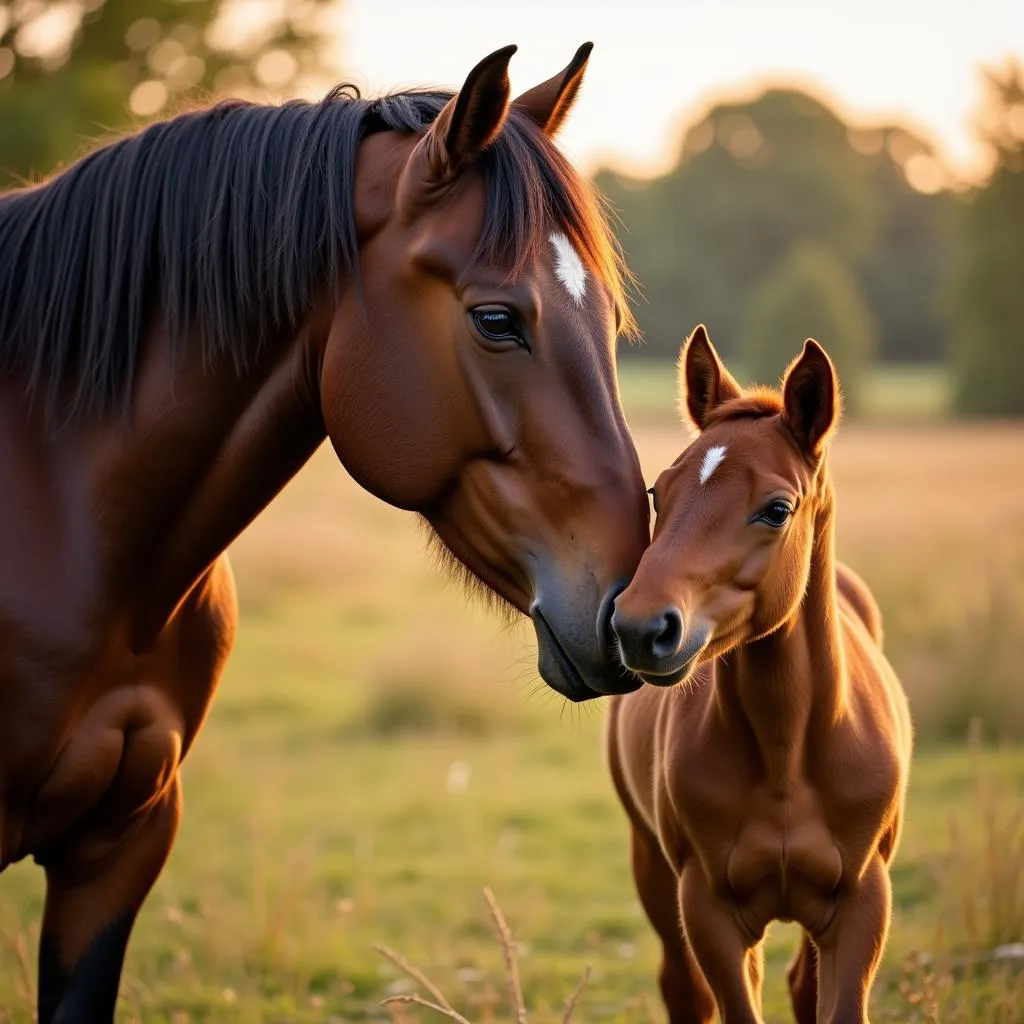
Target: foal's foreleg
pixel 851 948
pixel 728 955
pixel 685 992
pixel 94 889
pixel 755 971
pixel 802 976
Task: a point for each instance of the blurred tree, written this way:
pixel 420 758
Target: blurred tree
pixel 902 272
pixel 75 69
pixel 753 179
pixel 987 293
pixel 756 179
pixel 812 294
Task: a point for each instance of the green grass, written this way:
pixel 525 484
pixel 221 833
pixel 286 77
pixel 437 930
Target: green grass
pixel 379 753
pixel 307 840
pixel 894 393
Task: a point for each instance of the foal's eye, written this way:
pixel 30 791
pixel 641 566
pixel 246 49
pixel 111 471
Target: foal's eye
pixel 498 325
pixel 776 513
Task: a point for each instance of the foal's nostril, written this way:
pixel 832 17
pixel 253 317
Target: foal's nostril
pixel 667 641
pixel 645 643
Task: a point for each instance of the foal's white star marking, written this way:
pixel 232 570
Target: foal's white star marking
pixel 569 267
pixel 712 460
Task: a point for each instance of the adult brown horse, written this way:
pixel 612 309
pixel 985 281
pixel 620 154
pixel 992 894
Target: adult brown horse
pixel 185 315
pixel 769 784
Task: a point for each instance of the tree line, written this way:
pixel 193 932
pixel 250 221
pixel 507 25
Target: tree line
pixel 778 220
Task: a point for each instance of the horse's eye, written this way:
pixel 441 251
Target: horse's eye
pixel 498 324
pixel 776 513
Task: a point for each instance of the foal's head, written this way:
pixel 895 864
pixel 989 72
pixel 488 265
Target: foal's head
pixel 736 515
pixel 471 377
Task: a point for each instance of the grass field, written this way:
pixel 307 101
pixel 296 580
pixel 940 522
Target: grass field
pixel 379 752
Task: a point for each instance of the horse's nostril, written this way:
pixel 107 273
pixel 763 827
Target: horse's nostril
pixel 667 641
pixel 605 613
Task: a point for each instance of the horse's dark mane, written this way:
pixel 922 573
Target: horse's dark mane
pixel 232 220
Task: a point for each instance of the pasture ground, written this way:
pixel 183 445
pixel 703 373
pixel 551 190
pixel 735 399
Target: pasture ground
pixel 379 752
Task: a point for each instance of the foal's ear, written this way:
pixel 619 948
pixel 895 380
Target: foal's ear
pixel 470 121
pixel 704 382
pixel 810 393
pixel 548 104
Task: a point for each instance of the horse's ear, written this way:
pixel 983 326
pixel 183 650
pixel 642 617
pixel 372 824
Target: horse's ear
pixel 810 393
pixel 704 382
pixel 549 103
pixel 470 121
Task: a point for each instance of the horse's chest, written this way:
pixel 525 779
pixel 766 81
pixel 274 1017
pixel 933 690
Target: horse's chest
pixel 113 732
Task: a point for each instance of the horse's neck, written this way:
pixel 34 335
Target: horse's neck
pixel 262 426
pixel 793 681
pixel 207 454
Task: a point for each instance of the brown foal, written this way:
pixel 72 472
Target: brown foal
pixel 764 771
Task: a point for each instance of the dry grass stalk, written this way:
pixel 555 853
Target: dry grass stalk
pixel 508 947
pixel 984 868
pixel 440 1004
pixel 570 1003
pixel 416 1000
pixel 18 944
pixel 412 972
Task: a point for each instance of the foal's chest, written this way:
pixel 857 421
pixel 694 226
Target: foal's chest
pixel 778 860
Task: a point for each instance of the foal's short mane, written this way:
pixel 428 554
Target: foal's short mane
pixel 232 220
pixel 754 404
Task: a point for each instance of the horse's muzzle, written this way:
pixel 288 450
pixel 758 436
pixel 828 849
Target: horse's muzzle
pixel 580 674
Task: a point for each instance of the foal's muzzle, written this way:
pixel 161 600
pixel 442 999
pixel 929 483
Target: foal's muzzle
pixel 656 646
pixel 646 643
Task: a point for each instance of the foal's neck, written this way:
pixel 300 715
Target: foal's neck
pixel 792 682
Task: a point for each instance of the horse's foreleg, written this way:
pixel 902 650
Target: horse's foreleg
pixel 851 949
pixel 94 889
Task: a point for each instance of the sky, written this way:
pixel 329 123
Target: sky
pixel 657 65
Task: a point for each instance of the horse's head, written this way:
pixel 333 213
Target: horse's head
pixel 736 516
pixel 469 374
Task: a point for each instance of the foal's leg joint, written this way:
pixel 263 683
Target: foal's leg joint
pixel 851 950
pixel 723 949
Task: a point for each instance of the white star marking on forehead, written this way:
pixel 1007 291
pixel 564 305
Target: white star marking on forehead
pixel 712 460
pixel 569 267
